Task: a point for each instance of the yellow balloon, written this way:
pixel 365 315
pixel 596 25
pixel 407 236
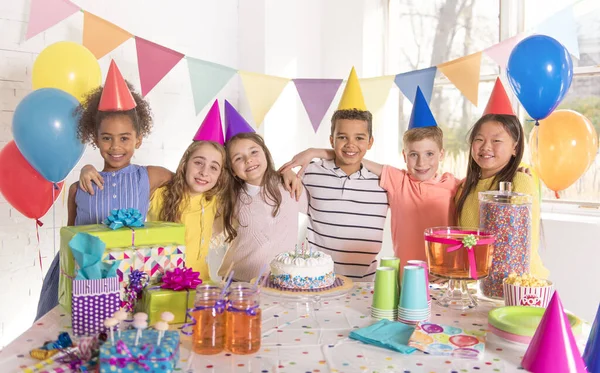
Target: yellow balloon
pixel 68 66
pixel 563 146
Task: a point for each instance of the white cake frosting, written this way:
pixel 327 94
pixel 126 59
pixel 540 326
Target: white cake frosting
pixel 302 270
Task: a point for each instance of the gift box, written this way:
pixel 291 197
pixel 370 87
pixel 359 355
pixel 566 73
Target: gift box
pixel 124 356
pixel 156 301
pixel 93 302
pixel 161 247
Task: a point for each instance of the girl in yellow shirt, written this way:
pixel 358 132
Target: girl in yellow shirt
pixel 497 146
pixel 191 198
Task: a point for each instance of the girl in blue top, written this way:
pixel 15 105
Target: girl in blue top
pixel 113 119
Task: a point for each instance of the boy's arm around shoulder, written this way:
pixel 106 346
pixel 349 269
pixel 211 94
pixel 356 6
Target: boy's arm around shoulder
pixel 71 205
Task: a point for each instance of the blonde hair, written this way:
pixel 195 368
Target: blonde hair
pixel 176 195
pixel 433 133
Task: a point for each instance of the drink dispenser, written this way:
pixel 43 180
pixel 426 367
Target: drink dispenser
pixel 506 215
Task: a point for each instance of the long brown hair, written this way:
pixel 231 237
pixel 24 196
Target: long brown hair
pixel 513 126
pixel 176 196
pixel 270 192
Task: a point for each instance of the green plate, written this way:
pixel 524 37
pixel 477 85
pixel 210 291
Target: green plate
pixel 521 320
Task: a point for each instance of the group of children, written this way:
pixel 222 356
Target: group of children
pixel 230 184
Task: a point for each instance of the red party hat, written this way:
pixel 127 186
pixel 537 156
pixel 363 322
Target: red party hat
pixel 116 95
pixel 553 347
pixel 499 103
pixel 211 128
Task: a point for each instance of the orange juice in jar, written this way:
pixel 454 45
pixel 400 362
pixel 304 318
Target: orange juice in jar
pixel 209 331
pixel 243 319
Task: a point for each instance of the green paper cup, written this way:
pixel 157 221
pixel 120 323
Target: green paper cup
pixel 393 262
pixel 386 289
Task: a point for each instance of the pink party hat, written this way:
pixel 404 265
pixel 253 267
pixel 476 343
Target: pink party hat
pixel 553 347
pixel 211 128
pixel 234 122
pixel 591 355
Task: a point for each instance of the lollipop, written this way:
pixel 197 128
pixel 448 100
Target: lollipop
pixel 162 327
pixel 110 324
pixel 121 316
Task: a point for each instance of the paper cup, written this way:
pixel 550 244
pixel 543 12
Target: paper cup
pixel 515 295
pixel 385 289
pixel 423 264
pixel 414 289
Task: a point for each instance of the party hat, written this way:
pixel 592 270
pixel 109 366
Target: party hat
pixel 115 95
pixel 352 98
pixel 211 128
pixel 421 115
pixel 591 355
pixel 499 103
pixel 553 347
pixel 234 122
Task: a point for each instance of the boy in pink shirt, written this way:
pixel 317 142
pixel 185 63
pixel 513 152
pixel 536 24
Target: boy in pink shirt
pixel 419 197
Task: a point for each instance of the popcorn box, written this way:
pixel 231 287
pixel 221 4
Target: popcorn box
pixel 154 248
pixel 156 301
pixel 531 296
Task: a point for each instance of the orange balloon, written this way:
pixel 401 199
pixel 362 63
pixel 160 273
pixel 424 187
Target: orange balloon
pixel 563 146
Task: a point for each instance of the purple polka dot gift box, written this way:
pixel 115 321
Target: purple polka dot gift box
pixel 93 302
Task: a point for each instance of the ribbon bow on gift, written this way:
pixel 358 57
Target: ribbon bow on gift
pixel 467 242
pixel 122 362
pixel 133 291
pixel 181 279
pixel 124 218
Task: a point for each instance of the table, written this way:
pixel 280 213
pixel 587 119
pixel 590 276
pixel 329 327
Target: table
pixel 313 337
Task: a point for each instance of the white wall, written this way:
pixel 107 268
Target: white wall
pixel 290 38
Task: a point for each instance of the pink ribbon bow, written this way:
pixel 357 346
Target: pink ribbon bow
pixel 181 279
pixel 122 362
pixel 467 242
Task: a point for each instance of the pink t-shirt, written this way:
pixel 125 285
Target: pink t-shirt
pixel 417 205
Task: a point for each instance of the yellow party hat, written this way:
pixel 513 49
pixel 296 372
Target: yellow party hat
pixel 352 98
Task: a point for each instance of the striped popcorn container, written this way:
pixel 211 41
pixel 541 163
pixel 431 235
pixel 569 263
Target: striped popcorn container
pixel 515 295
pixel 93 301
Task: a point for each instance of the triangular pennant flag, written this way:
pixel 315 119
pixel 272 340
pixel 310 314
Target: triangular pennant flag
pixel 262 91
pixel 499 103
pixel 154 62
pixel 352 98
pixel 421 115
pixel 561 26
pixel 501 51
pixel 553 347
pixel 316 96
pixel 207 79
pixel 376 91
pixel 408 83
pixel 100 36
pixel 211 128
pixel 464 74
pixel 44 14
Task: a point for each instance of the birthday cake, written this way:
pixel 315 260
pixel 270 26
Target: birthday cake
pixel 125 356
pixel 301 270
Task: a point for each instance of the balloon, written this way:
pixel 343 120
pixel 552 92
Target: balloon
pixel 67 66
pixel 540 71
pixel 45 131
pixel 563 146
pixel 22 186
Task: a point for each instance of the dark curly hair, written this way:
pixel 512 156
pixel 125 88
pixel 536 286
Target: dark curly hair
pixel 353 114
pixel 90 117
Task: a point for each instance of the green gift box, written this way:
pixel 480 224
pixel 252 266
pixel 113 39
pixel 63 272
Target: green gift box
pixel 151 235
pixel 156 301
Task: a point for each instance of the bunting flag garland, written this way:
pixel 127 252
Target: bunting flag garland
pixel 207 80
pixel 44 14
pixel 464 74
pixel 100 36
pixel 376 91
pixel 316 96
pixel 154 62
pixel 501 51
pixel 262 91
pixel 408 83
pixel 562 26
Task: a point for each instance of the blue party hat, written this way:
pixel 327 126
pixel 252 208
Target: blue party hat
pixel 421 115
pixel 591 355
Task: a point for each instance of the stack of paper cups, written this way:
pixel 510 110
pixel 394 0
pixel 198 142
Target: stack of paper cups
pixel 394 263
pixel 423 264
pixel 413 306
pixel 384 294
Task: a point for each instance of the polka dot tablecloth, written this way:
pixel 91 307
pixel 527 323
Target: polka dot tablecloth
pixel 313 338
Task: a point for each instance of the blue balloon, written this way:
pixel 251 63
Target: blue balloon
pixel 540 71
pixel 45 131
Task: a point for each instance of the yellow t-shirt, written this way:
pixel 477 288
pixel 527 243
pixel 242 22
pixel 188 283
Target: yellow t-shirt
pixel 521 183
pixel 198 217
